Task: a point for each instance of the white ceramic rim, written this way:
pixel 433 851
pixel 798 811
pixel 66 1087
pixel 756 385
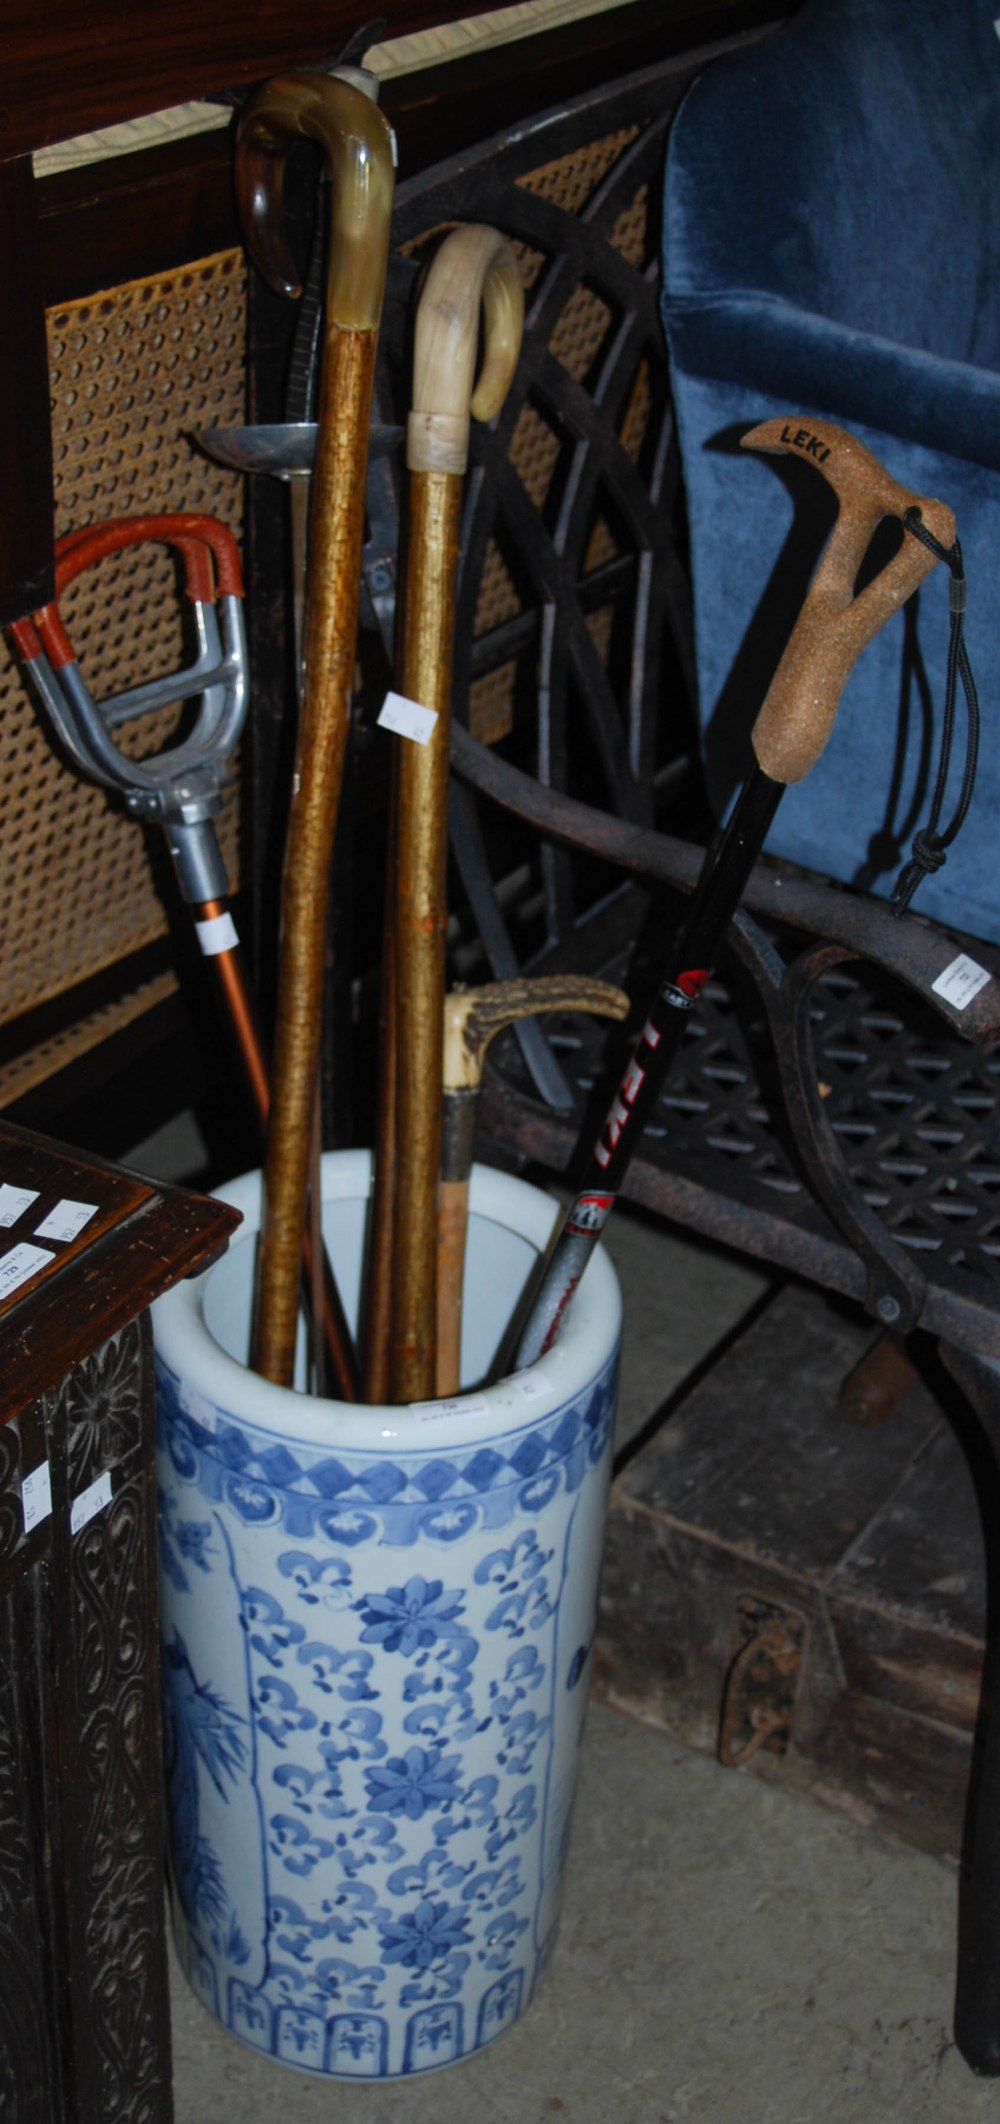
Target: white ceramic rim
pixel 587 1340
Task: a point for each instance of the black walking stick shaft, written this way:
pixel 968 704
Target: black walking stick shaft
pixel 716 898
pixel 789 733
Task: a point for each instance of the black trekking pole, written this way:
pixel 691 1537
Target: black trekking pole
pixel 790 731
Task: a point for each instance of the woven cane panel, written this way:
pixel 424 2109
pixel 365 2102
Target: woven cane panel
pixel 41 1061
pixel 133 371
pixel 571 181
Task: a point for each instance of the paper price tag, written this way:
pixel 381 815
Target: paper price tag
pixel 90 1501
pixel 20 1265
pixel 407 718
pixel 960 981
pixel 460 1404
pixel 530 1388
pixel 66 1221
pixel 14 1201
pixel 219 933
pixel 36 1496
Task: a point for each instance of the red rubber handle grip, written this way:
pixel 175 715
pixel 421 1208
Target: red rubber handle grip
pixel 200 540
pixel 195 534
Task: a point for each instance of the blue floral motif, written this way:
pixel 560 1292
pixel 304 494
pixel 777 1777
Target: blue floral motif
pixel 424 1936
pixel 292 1844
pixel 350 1984
pixel 348 1526
pixel 371 1842
pixel 434 1870
pixel 449 1522
pixel 279 1712
pixel 522 1735
pixel 183 1541
pixel 515 1822
pixel 319 1581
pixel 410 1784
pixel 312 1791
pixel 267 1626
pixel 254 1503
pixel 408 1618
pixel 496 1887
pixel 501 1940
pixel 362 1731
pixel 518 1573
pixel 524 1671
pixel 353 1909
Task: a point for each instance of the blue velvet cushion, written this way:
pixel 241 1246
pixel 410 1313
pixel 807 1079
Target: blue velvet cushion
pixel 832 246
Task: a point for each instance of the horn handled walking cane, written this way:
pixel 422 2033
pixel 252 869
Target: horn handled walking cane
pixel 790 732
pixel 356 140
pixel 472 1018
pixel 474 270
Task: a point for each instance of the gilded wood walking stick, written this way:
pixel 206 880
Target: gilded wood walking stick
pixel 353 135
pixel 474 269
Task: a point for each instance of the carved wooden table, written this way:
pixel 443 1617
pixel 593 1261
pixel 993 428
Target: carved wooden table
pixel 84 2016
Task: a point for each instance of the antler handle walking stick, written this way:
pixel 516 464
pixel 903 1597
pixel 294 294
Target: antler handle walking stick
pixel 357 143
pixel 791 729
pixel 474 271
pixel 472 1018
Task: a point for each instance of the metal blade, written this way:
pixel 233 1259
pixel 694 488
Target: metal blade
pixel 286 449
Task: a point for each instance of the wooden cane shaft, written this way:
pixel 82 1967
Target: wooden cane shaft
pixel 338 523
pixel 453 1224
pixel 376 1369
pixel 421 916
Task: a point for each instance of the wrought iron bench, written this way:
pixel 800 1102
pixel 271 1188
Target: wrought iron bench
pixel 833 1111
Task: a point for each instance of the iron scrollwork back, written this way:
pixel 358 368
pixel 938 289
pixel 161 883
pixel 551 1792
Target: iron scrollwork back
pixel 831 1112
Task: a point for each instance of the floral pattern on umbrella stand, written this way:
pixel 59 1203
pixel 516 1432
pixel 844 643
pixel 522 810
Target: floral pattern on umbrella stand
pixel 376 1674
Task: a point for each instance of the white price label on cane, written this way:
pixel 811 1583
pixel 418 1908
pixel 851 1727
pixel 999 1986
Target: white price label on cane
pixel 218 933
pixel 407 718
pixel 20 1265
pixel 90 1501
pixel 66 1221
pixel 14 1201
pixel 960 981
pixel 36 1496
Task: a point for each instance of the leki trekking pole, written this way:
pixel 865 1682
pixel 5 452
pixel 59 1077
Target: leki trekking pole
pixel 789 734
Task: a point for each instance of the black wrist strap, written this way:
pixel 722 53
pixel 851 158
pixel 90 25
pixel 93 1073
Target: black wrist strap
pixel 930 845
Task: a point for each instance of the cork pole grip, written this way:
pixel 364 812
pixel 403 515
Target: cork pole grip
pixel 834 624
pixel 473 273
pixel 357 145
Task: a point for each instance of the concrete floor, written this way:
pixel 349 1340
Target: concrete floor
pixel 729 1953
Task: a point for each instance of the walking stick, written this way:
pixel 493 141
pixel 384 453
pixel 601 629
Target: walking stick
pixel 181 788
pixel 472 1018
pixel 474 268
pixel 357 143
pixel 791 729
